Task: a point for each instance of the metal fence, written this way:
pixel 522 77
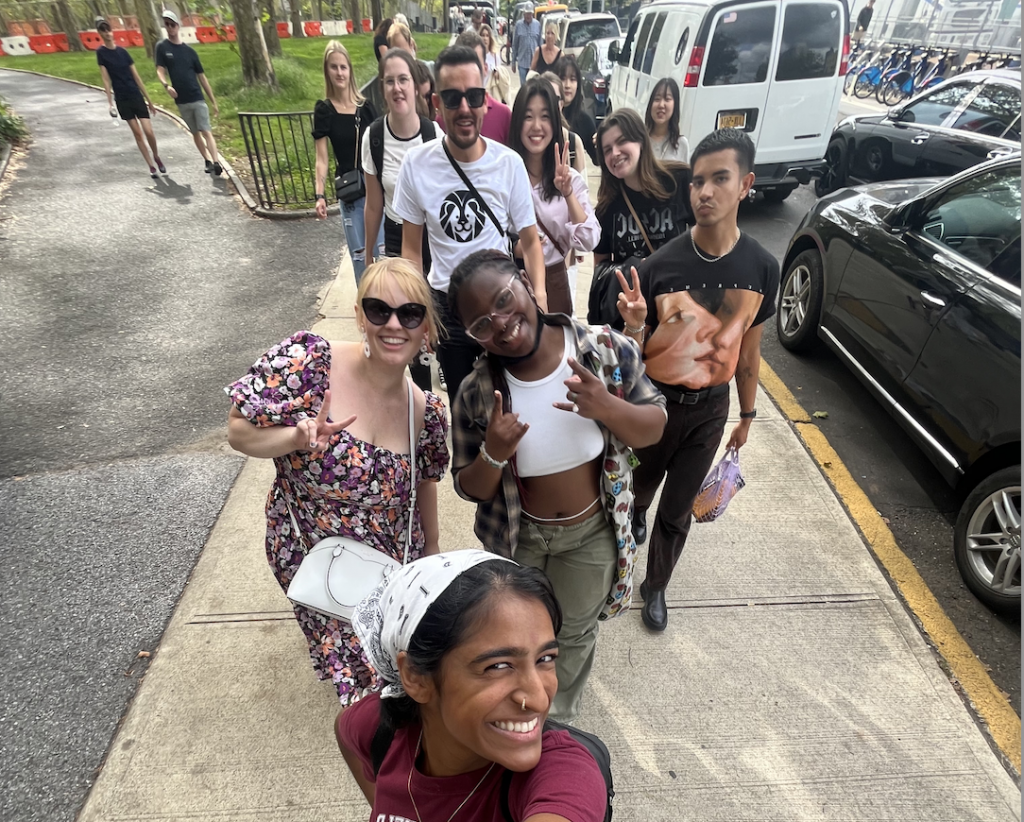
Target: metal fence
pixel 282 157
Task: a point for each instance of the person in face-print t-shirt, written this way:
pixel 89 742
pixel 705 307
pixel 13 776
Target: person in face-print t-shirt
pixel 697 308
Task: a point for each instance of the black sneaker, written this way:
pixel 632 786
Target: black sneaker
pixel 217 169
pixel 209 167
pixel 441 380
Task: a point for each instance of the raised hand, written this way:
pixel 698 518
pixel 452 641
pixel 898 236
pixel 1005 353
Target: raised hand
pixel 563 179
pixel 504 431
pixel 313 435
pixel 586 394
pixel 631 303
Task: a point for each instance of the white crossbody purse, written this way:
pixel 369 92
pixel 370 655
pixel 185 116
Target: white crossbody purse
pixel 338 572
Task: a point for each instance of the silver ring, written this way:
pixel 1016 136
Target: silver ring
pixel 575 408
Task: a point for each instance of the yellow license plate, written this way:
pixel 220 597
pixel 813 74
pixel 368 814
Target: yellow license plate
pixel 732 119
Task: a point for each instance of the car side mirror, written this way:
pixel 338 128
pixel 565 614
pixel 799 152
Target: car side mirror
pixel 899 219
pixel 899 114
pixel 613 51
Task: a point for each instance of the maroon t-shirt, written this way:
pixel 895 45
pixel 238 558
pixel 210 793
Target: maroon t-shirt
pixel 566 781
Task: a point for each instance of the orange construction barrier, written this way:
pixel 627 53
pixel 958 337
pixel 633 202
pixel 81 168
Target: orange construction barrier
pixel 2 52
pixel 282 31
pixel 367 25
pixel 313 28
pixel 349 26
pixel 42 44
pixel 18 29
pixel 136 38
pixel 207 34
pixel 61 41
pixel 230 32
pixel 122 38
pixel 90 39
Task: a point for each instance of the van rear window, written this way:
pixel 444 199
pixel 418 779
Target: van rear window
pixel 811 38
pixel 584 31
pixel 741 47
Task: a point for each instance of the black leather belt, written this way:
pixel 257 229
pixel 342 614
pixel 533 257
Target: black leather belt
pixel 683 397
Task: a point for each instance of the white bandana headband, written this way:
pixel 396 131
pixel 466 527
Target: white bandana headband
pixel 387 619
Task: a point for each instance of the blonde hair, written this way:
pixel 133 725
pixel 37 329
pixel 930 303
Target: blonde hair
pixel 401 18
pixel 490 39
pixel 332 47
pixel 399 29
pixel 553 25
pixel 403 275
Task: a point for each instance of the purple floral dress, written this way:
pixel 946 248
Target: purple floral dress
pixel 351 489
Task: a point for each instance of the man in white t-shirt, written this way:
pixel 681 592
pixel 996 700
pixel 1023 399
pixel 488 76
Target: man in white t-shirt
pixel 431 196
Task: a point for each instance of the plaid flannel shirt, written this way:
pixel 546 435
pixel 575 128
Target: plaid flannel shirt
pixel 617 361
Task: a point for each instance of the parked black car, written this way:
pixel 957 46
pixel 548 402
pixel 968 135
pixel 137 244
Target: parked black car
pixel 596 69
pixel 916 287
pixel 957 124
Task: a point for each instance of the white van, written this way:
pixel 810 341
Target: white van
pixel 774 68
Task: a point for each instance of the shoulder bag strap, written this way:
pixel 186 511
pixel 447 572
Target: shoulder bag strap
pixel 412 468
pixel 472 188
pixel 376 134
pixel 551 236
pixel 640 225
pixel 355 153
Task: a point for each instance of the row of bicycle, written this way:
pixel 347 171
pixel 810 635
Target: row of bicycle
pixel 892 73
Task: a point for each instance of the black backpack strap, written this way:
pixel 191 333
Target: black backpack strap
pixel 506 786
pixel 427 129
pixel 376 132
pixel 572 149
pixel 472 190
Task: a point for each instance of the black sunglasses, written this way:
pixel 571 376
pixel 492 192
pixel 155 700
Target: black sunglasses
pixel 453 97
pixel 378 312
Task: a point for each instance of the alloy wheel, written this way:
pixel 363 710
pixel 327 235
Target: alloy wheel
pixel 993 541
pixel 795 301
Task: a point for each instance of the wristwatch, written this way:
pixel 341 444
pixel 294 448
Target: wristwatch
pixel 320 197
pixel 748 415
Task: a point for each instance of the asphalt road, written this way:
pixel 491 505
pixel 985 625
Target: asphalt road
pixel 899 480
pixel 126 304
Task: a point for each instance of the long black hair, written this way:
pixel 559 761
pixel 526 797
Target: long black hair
pixel 446 624
pixel 665 84
pixel 538 87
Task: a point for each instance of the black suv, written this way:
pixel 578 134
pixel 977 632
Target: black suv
pixel 949 128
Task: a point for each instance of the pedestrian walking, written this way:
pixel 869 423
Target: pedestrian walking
pixel 380 38
pixel 399 37
pixel 547 55
pixel 526 40
pixel 334 418
pixel 662 121
pixel 127 96
pixel 697 308
pixel 543 434
pixel 178 63
pixel 561 200
pixel 642 203
pixel 385 147
pixel 466 192
pixel 863 21
pixel 574 106
pixel 341 119
pixel 498 83
pixel 466 642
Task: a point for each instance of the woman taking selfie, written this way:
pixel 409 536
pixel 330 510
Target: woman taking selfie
pixel 561 201
pixel 543 437
pixel 340 120
pixel 334 417
pixel 466 644
pixel 662 122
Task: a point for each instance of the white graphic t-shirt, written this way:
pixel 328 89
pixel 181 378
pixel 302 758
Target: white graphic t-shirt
pixel 430 193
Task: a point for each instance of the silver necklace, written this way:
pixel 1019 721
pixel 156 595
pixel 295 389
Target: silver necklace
pixel 408 784
pixel 696 250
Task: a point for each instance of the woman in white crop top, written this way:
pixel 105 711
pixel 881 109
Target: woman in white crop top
pixel 543 433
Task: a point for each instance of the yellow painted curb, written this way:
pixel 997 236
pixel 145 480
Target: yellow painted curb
pixel 992 706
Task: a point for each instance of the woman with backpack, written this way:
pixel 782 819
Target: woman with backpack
pixel 561 200
pixel 543 431
pixel 466 643
pixel 387 142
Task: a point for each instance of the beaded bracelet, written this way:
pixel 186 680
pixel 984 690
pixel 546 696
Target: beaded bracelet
pixel 491 461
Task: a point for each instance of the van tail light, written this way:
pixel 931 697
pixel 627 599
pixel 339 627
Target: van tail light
pixel 844 65
pixel 693 69
pixel 600 85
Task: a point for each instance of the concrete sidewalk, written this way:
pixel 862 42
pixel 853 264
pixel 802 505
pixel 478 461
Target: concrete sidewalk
pixel 791 683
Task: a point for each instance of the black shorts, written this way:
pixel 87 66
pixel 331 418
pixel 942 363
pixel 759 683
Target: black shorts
pixel 134 108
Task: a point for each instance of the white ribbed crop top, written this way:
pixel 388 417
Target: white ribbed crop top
pixel 557 440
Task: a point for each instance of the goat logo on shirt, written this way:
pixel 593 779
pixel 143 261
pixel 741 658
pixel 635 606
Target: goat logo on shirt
pixel 462 216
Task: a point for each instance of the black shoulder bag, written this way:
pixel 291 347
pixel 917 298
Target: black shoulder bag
pixel 349 187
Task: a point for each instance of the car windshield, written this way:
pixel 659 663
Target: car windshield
pixel 582 32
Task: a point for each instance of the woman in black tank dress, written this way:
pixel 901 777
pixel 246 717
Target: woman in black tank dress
pixel 547 55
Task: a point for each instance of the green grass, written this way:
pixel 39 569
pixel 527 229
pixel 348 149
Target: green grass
pixel 299 74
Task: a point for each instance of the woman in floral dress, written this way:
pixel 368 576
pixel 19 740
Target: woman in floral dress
pixel 342 455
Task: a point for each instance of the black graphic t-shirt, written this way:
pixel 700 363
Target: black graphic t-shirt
pixel 662 219
pixel 699 311
pixel 183 66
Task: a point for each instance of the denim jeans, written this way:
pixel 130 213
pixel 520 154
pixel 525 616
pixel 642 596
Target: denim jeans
pixel 523 71
pixel 352 218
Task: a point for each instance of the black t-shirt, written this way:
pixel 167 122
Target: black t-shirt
pixel 662 219
pixel 378 41
pixel 699 311
pixel 118 62
pixel 183 66
pixel 340 130
pixel 583 124
pixel 864 18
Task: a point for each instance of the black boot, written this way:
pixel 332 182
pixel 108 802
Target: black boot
pixel 655 611
pixel 640 525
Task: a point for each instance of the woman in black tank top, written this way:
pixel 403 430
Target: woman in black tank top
pixel 547 55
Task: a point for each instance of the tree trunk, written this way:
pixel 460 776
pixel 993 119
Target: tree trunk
pixel 149 25
pixel 270 35
pixel 256 65
pixel 296 15
pixel 318 10
pixel 376 12
pixel 357 16
pixel 66 20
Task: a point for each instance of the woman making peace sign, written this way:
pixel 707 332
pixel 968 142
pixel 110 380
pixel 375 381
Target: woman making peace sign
pixel 543 437
pixel 565 218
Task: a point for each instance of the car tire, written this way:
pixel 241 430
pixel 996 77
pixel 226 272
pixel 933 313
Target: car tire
pixel 986 542
pixel 834 177
pixel 799 312
pixel 875 159
pixel 778 193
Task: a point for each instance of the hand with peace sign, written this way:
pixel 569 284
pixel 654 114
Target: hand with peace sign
pixel 586 393
pixel 313 435
pixel 563 177
pixel 504 431
pixel 631 303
